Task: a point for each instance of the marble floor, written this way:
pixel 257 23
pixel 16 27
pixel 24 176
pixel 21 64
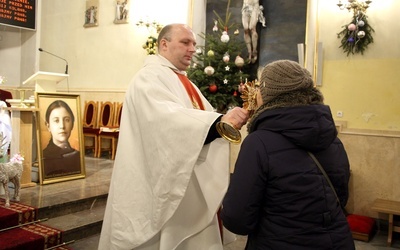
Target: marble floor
pixel 378 242
pixel 96 182
pixel 98 173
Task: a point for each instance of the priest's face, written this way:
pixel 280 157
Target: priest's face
pixel 179 48
pixel 60 125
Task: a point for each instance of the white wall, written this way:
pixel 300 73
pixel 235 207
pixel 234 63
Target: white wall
pixel 10 55
pixel 102 58
pixel 364 88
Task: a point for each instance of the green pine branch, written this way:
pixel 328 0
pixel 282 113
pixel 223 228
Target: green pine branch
pixel 351 42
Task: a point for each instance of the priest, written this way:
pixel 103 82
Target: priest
pixel 171 169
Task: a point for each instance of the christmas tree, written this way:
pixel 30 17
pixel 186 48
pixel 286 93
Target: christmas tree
pixel 218 68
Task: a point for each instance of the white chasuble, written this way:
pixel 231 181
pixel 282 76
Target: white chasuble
pixel 166 185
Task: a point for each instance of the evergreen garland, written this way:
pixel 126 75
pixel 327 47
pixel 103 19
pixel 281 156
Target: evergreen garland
pixel 357 35
pixel 221 87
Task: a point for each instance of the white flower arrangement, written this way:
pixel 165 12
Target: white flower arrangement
pixel 3 145
pixel 2 79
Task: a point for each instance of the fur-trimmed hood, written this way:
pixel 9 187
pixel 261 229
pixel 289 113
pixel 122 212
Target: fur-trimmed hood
pixel 300 116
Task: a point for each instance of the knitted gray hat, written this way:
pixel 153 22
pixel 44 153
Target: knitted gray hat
pixel 283 76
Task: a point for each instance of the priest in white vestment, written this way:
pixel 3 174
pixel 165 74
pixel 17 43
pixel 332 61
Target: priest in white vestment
pixel 171 169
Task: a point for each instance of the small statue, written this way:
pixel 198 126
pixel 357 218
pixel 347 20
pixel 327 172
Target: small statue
pixel 12 172
pixel 252 13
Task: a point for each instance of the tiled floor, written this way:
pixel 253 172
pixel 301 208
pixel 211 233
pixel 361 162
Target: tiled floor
pixel 97 181
pixel 378 242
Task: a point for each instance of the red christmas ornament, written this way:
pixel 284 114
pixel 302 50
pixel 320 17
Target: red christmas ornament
pixel 241 87
pixel 213 88
pixel 235 93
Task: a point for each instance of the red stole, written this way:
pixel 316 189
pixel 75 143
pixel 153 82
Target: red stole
pixel 193 95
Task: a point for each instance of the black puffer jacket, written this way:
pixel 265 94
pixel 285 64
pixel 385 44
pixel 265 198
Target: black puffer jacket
pixel 277 195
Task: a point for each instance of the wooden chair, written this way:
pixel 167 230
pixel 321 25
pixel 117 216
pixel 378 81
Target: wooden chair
pixel 111 133
pixel 118 114
pixel 106 125
pixel 90 126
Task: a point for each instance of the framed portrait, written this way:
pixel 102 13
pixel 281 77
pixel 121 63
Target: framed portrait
pixel 60 137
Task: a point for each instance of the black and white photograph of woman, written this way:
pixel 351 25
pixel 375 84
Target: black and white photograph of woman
pixel 59 157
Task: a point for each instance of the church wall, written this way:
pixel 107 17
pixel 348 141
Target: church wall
pixel 365 88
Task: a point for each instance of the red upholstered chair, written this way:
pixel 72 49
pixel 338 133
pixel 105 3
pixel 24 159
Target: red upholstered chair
pixel 110 133
pixel 106 122
pixel 90 126
pixel 4 95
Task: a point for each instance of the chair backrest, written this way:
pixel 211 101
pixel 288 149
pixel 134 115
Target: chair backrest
pixel 107 114
pixel 118 113
pixel 4 95
pixel 90 114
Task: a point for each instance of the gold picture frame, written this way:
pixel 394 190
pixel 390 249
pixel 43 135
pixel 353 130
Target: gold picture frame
pixel 59 137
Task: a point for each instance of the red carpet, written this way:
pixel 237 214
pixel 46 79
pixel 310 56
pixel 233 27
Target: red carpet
pixel 15 214
pixel 32 236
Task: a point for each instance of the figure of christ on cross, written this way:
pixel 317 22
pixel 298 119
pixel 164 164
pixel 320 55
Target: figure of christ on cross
pixel 252 12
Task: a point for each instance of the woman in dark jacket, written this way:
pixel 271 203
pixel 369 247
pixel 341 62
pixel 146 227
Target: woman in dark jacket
pixel 277 195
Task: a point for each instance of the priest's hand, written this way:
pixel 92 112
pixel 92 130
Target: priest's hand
pixel 237 117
